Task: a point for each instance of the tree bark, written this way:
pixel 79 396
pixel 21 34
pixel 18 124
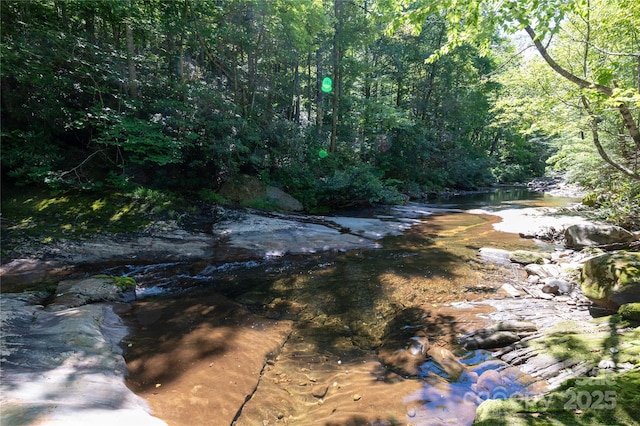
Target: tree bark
pixel 336 76
pixel 131 64
pixel 623 108
pixel 320 95
pixel 596 141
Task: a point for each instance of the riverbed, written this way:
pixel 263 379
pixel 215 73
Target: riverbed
pixel 354 336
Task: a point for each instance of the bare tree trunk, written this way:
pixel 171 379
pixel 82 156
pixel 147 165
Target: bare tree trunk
pixel 336 76
pixel 131 64
pixel 320 95
pixel 596 141
pixel 309 80
pixel 623 108
pixel 296 92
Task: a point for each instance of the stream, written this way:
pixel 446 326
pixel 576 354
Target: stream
pixel 355 337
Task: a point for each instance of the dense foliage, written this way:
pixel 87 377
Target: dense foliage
pixel 579 93
pixel 184 95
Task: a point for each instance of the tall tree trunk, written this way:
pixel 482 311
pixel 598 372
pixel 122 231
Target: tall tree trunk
pixel 319 93
pixel 295 92
pixel 336 75
pixel 309 81
pixel 399 92
pixel 494 144
pixel 131 64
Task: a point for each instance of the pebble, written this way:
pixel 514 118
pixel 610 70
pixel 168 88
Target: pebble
pixel 357 397
pixel 319 391
pixel 607 364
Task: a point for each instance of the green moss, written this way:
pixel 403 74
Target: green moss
pixel 607 399
pixel 526 257
pixel 614 400
pixel 123 283
pixel 592 341
pixel 609 274
pixel 46 217
pixel 630 311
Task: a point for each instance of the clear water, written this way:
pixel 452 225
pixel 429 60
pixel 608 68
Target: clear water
pixel 364 312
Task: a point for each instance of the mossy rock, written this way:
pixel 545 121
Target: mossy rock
pixel 95 289
pixel 612 279
pixel 630 311
pixel 613 399
pixel 525 257
pixel 252 192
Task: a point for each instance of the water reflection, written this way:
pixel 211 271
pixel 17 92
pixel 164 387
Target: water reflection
pixel 447 400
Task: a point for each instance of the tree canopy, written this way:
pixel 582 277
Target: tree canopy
pixel 424 95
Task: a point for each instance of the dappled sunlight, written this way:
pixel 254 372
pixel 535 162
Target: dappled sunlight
pixel 195 347
pixel 98 204
pixel 24 223
pixel 122 212
pixel 370 332
pixel 46 203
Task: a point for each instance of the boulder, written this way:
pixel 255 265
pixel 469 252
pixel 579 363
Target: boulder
pixel 493 255
pixel 556 286
pixel 612 279
pixel 524 257
pixel 588 235
pixel 543 271
pixel 499 335
pixel 489 339
pixel 99 288
pixel 282 200
pixel 250 191
pixel 630 311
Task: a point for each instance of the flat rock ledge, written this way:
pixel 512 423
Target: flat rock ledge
pixel 64 366
pixel 247 234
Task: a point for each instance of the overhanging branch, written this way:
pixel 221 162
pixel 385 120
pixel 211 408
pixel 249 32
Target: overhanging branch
pixel 623 108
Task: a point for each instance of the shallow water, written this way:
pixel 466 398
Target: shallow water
pixel 362 337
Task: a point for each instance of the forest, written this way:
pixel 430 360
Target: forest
pixel 340 103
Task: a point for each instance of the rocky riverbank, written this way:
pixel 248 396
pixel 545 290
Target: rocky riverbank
pixel 42 348
pixel 61 359
pixel 570 337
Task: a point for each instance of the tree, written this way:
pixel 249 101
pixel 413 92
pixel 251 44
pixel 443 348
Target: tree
pixel 603 81
pixel 187 94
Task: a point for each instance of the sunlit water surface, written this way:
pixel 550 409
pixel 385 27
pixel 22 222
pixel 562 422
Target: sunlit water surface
pixel 355 324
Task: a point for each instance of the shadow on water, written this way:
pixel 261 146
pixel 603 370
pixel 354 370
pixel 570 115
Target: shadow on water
pixel 320 314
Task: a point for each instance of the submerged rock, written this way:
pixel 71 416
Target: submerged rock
pixel 405 357
pixel 612 279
